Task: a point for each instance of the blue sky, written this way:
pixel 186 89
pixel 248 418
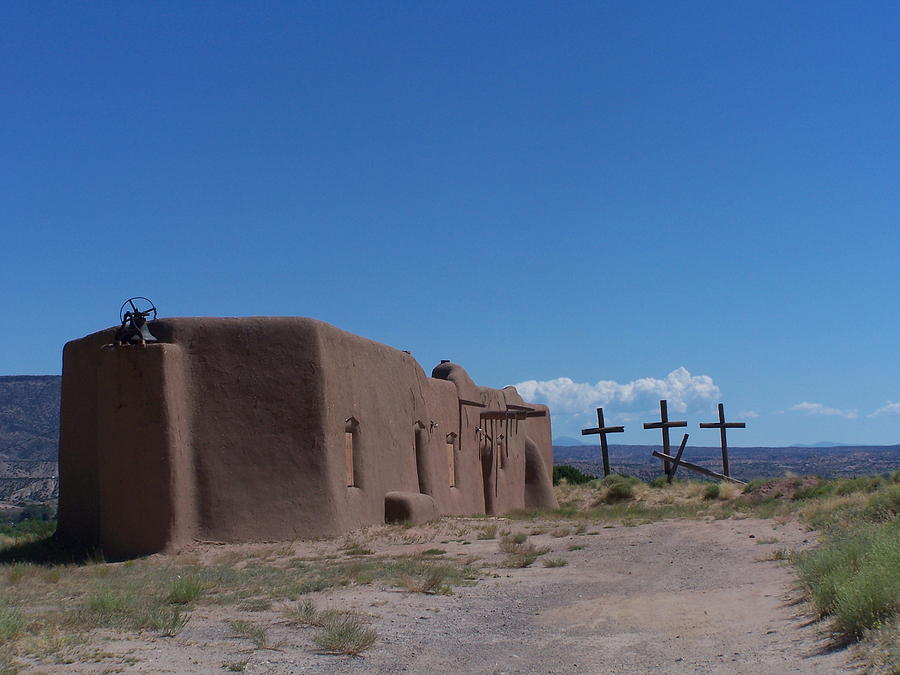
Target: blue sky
pixel 608 202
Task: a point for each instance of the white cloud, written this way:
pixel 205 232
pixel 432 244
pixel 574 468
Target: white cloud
pixel 565 396
pixel 819 409
pixel 748 414
pixel 889 409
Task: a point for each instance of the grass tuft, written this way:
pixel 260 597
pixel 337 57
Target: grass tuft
pixel 433 581
pixel 185 589
pixel 554 562
pixel 345 634
pixel 488 532
pixel 253 632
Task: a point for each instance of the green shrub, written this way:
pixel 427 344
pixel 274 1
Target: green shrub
pixel 883 506
pixel 32 528
pixel 36 511
pixel 619 491
pixel 849 486
pixel 853 577
pixel 619 487
pixel 711 491
pixel 619 479
pixel 572 475
pixel 757 483
pixel 821 489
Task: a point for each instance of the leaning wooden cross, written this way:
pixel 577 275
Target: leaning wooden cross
pixel 665 425
pixel 602 430
pixel 722 425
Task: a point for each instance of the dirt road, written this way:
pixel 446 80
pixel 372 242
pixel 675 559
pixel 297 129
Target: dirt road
pixel 677 596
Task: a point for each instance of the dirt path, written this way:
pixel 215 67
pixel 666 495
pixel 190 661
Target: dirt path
pixel 681 597
pixel 675 596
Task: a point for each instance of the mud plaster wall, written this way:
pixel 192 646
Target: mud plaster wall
pixel 234 430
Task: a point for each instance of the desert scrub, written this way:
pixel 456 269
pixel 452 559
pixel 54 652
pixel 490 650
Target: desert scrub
pixel 488 532
pixel 12 622
pixel 431 582
pixel 512 543
pixel 345 634
pixel 853 577
pixel 519 552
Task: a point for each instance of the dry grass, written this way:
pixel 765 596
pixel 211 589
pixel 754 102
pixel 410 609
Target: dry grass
pixel 345 634
pixel 488 532
pixel 519 552
pixel 879 650
pixel 433 581
pixel 341 632
pixel 554 562
pixel 253 632
pixel 54 612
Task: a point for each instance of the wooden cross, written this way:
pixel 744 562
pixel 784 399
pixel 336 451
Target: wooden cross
pixel 677 461
pixel 722 425
pixel 602 430
pixel 665 425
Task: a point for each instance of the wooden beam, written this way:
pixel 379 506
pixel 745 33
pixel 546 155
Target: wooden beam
pixel 477 404
pixel 677 461
pixel 503 415
pixel 664 425
pixel 602 430
pixel 699 469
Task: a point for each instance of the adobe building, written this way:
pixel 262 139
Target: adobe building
pixel 277 428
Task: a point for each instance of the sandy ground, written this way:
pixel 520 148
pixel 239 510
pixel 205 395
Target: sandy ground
pixel 673 596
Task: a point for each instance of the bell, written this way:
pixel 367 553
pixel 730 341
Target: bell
pixel 140 323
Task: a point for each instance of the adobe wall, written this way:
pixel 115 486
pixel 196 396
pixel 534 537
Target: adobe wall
pixel 235 430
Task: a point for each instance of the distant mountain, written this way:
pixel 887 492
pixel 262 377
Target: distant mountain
pixel 29 437
pixel 29 417
pixel 746 463
pixel 568 440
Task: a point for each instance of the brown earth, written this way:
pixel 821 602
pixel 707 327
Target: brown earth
pixel 673 596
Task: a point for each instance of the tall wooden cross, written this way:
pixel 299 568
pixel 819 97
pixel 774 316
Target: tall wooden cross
pixel 602 430
pixel 722 425
pixel 665 425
